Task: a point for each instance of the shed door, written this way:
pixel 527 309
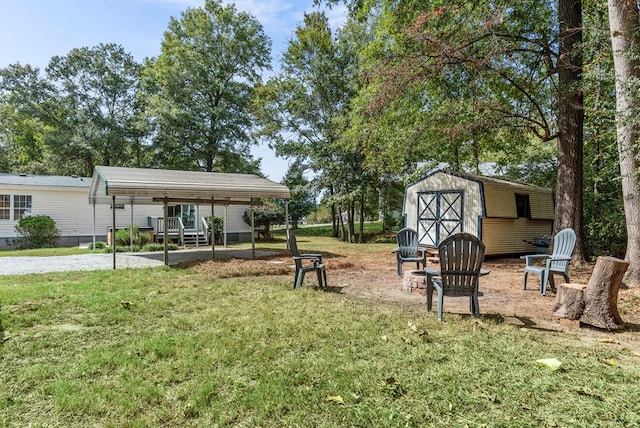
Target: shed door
pixel 440 214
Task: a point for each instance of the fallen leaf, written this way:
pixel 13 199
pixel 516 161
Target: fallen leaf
pixel 412 326
pixel 607 340
pixel 552 363
pixel 336 399
pixel 610 362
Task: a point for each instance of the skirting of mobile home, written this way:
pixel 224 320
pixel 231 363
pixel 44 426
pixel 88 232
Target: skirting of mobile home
pixel 503 214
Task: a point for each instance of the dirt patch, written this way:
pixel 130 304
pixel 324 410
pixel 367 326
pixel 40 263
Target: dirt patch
pixel 373 276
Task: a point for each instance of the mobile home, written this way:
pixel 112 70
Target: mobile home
pixel 66 201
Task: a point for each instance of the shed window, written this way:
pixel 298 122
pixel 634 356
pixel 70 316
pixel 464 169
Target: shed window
pixel 523 208
pixel 5 207
pixel 21 206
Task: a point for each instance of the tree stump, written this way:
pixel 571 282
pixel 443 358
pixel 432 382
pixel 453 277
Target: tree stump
pixel 569 301
pixel 601 294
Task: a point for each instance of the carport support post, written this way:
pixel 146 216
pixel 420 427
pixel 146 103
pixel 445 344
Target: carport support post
pixel 224 226
pixel 213 229
pixel 286 221
pixel 113 230
pixel 131 227
pixel 94 227
pixel 253 232
pixel 197 225
pixel 165 232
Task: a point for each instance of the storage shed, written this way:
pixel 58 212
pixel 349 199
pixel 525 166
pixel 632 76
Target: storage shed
pixel 503 214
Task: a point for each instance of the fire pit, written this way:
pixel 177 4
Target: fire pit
pixel 415 280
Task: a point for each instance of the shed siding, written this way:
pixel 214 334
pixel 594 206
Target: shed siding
pixel 441 181
pixel 500 200
pixel 542 206
pixel 506 236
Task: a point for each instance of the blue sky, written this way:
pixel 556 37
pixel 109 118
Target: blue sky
pixel 33 31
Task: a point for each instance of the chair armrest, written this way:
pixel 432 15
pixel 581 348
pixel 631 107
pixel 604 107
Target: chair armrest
pixel 311 256
pixel 559 259
pixel 528 259
pixel 432 272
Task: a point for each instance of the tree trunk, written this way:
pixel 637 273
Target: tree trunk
pixel 361 231
pixel 570 124
pixel 601 294
pixel 624 19
pixel 334 223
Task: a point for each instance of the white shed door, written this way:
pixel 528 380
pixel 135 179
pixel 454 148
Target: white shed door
pixel 440 214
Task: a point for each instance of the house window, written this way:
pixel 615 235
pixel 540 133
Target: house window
pixel 523 208
pixel 5 207
pixel 21 206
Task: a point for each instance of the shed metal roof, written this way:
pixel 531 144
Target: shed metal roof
pixel 146 186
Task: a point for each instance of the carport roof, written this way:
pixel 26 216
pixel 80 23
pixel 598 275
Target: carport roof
pixel 151 186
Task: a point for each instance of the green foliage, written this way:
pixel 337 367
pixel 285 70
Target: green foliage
pixel 38 231
pixel 98 97
pixel 265 215
pixel 123 237
pixel 219 228
pixel 302 200
pixel 200 87
pixel 99 245
pixel 155 246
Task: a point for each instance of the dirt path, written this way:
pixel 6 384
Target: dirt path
pixel 372 276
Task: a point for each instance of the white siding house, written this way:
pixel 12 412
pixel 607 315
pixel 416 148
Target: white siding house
pixel 66 200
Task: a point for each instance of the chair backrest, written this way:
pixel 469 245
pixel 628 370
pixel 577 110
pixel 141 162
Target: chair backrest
pixel 293 244
pixel 461 257
pixel 563 245
pixel 407 240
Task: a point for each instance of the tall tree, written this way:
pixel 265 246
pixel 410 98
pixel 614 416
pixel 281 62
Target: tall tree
pixel 96 95
pixel 570 123
pixel 23 93
pixel 301 107
pixel 201 86
pixel 624 19
pixel 478 78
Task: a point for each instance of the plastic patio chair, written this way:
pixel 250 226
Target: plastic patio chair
pixel 461 258
pixel 305 263
pixel 556 263
pixel 408 249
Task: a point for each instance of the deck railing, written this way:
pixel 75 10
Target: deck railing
pixel 175 227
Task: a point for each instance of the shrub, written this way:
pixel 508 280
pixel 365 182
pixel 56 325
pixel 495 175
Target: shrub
pixel 264 216
pixel 153 247
pixel 99 245
pixel 219 224
pixel 38 231
pixel 123 237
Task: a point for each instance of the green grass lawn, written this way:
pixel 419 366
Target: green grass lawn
pixel 174 347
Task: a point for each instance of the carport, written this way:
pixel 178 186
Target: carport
pixel 141 186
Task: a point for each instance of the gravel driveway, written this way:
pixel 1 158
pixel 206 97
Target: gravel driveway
pixel 98 261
